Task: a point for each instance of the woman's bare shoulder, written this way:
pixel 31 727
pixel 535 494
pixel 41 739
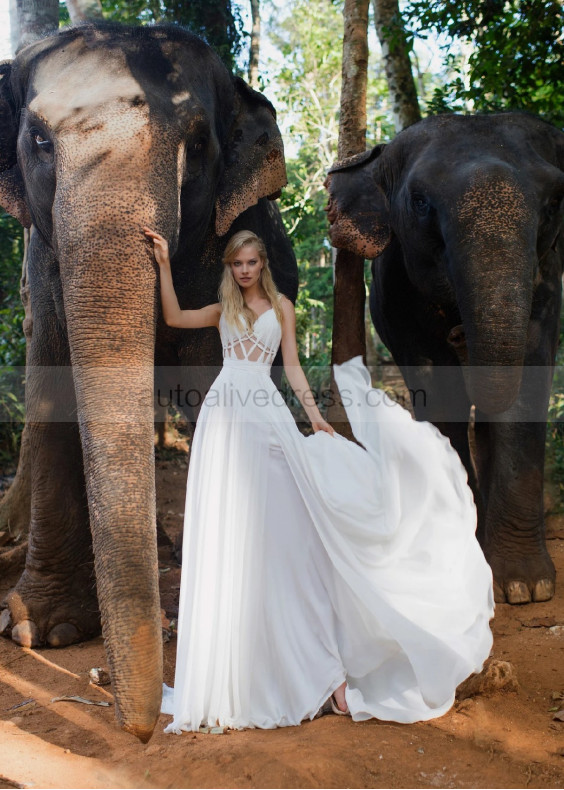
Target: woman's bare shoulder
pixel 286 304
pixel 289 315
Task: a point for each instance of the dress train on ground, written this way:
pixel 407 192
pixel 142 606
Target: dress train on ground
pixel 312 560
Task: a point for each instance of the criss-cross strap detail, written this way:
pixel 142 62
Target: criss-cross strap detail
pixel 258 345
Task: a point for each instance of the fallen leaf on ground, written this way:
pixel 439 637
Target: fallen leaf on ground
pixel 82 700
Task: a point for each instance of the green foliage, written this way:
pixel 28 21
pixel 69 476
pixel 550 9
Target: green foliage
pixel 308 78
pixel 12 340
pixel 306 88
pixel 306 92
pixel 511 54
pixel 132 12
pixel 64 18
pixel 304 217
pixel 217 21
pixel 555 426
pixel 314 314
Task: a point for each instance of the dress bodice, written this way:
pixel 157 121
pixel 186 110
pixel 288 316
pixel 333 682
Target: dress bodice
pixel 259 345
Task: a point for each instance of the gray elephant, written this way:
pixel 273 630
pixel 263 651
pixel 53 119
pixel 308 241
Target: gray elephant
pixel 105 129
pixel 463 218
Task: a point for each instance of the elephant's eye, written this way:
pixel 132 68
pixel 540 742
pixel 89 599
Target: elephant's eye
pixel 42 142
pixel 198 145
pixel 420 204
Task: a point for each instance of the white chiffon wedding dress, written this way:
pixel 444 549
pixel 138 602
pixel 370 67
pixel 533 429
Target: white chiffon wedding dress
pixel 308 561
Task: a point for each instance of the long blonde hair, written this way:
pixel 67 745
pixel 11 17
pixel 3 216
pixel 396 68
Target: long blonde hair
pixel 231 296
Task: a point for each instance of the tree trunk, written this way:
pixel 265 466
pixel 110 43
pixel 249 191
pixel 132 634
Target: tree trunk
pixel 14 27
pixel 349 291
pixel 255 45
pixel 352 126
pixel 395 53
pixel 81 10
pixel 36 18
pixel 371 341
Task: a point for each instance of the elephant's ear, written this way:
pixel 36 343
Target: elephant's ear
pixel 358 210
pixel 254 166
pixel 12 191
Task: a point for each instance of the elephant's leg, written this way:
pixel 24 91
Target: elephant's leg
pixel 54 601
pixel 511 453
pixel 515 535
pixel 512 456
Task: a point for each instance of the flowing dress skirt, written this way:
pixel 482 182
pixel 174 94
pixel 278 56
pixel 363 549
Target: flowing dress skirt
pixel 311 560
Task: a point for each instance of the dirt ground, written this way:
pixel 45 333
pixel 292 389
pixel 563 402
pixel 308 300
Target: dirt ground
pixel 505 739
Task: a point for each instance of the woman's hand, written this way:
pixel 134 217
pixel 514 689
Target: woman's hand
pixel 322 425
pixel 160 247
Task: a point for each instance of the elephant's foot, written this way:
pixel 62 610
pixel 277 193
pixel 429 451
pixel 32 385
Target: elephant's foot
pixel 46 612
pixel 526 579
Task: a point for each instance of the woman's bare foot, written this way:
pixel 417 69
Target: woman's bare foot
pixel 340 700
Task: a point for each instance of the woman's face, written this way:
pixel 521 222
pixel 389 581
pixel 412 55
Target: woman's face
pixel 246 266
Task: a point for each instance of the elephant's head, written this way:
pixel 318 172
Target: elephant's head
pixel 105 129
pixel 475 204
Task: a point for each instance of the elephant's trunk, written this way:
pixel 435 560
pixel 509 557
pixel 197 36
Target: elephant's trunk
pixel 493 376
pixel 110 294
pixel 492 264
pixel 112 351
pixel 109 280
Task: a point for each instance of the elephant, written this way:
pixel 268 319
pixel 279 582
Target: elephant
pixel 462 219
pixel 105 129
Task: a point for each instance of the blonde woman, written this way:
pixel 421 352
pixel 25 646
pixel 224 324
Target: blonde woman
pixel 315 569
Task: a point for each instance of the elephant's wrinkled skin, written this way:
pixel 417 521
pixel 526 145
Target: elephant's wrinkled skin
pixel 103 130
pixel 463 218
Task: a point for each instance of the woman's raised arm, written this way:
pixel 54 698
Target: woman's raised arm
pixel 294 371
pixel 173 315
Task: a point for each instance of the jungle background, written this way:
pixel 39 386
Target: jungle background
pixel 425 56
pixel 467 56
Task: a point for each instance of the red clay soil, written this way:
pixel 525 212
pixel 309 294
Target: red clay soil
pixel 504 739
